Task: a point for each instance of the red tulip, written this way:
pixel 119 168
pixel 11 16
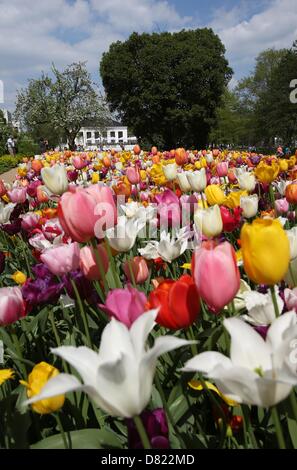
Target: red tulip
pixel 231 219
pixel 178 302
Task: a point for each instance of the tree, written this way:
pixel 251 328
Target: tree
pixel 5 132
pixel 167 86
pixel 56 108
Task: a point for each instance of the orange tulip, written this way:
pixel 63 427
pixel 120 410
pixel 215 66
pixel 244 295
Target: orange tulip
pixel 291 193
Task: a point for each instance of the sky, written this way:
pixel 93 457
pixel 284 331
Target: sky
pixel 36 33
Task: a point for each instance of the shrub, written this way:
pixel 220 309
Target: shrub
pixel 7 162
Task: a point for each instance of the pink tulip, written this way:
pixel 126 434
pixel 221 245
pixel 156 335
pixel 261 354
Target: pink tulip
pixel 32 188
pixel 216 274
pixel 282 206
pixel 85 212
pixel 3 189
pixel 138 267
pixel 89 264
pixel 12 306
pixel 41 194
pixel 17 195
pixel 222 169
pixel 168 209
pixel 133 175
pixel 291 299
pixel 61 259
pixel 126 305
pixel 30 221
pixel 78 163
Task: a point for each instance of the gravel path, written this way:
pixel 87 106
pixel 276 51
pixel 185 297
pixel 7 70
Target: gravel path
pixel 9 176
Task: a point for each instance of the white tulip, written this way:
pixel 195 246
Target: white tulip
pixel 197 180
pixel 170 171
pixel 292 236
pixel 209 221
pixel 246 181
pixel 209 158
pixel 183 182
pixel 55 179
pixel 122 237
pixel 249 205
pixel 119 377
pixel 260 308
pixel 168 248
pixel 5 212
pixel 258 372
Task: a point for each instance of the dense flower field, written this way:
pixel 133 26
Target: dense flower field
pixel 149 299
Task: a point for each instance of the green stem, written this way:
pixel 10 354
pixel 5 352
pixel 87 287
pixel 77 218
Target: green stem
pixel 83 314
pixel 293 404
pixel 18 350
pixel 94 248
pixel 61 431
pixel 292 274
pixel 248 425
pixel 112 264
pixel 129 261
pixel 57 338
pixel 274 300
pixel 278 428
pixel 142 432
pixel 271 194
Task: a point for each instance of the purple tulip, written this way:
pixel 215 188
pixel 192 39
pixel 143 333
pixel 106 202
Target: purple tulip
pixel 155 423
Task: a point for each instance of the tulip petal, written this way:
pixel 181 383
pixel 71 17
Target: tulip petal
pixel 59 385
pixel 140 330
pixel 118 333
pixel 282 325
pixel 206 362
pixel 252 352
pixel 83 359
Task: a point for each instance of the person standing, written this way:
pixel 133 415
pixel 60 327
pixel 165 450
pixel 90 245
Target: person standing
pixel 10 144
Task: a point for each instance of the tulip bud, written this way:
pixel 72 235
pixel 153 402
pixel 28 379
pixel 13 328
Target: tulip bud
pixel 209 221
pixel 170 171
pixel 249 205
pixel 197 180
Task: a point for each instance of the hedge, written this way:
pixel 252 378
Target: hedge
pixel 7 162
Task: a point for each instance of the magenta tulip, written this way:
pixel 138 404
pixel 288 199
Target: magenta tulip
pixel 17 195
pixel 133 175
pixel 216 274
pixel 126 305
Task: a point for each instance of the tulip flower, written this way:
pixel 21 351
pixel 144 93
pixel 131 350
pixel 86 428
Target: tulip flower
pixel 231 219
pixel 292 236
pixel 266 173
pixel 78 163
pixel 178 302
pixel 30 221
pixel 265 251
pixel 170 171
pixel 17 195
pixel 183 182
pixel 92 267
pixel 5 374
pixel 5 212
pixel 119 378
pixel 61 259
pixel 258 372
pixel 291 299
pixel 233 199
pixel 169 248
pixel 246 181
pixel 3 189
pixel 291 193
pixel 214 195
pixel 281 206
pixel 216 274
pixel 123 236
pixel 86 212
pixel 209 221
pixel 260 307
pixel 55 179
pixel 37 379
pixel 136 269
pixel 156 426
pixel 249 205
pixel 12 306
pixel 126 305
pixel 197 180
pixel 133 175
pixel 19 277
pixel 222 169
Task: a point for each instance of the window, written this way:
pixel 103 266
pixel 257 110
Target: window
pixel 112 134
pixel 120 134
pixel 89 135
pixel 97 135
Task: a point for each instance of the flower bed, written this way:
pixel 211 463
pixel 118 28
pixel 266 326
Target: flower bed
pixel 149 300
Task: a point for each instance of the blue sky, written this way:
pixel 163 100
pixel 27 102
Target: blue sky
pixel 33 35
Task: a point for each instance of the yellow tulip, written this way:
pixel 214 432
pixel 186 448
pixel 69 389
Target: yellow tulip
pixel 157 175
pixel 39 376
pixel 214 195
pixel 283 165
pixel 143 175
pixel 267 173
pixel 198 165
pixel 95 178
pixel 5 374
pixel 197 385
pixel 19 277
pixel 233 199
pixel 265 251
pixel 292 162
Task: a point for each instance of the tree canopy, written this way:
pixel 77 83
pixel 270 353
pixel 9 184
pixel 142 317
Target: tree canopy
pixel 167 86
pixel 56 108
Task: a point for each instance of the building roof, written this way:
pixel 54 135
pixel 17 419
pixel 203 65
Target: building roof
pixel 107 123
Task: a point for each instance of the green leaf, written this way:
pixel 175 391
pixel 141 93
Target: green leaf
pixel 82 439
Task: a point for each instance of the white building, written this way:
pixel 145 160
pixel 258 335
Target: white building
pixel 114 135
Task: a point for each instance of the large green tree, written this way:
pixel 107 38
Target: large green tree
pixel 56 108
pixel 167 86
